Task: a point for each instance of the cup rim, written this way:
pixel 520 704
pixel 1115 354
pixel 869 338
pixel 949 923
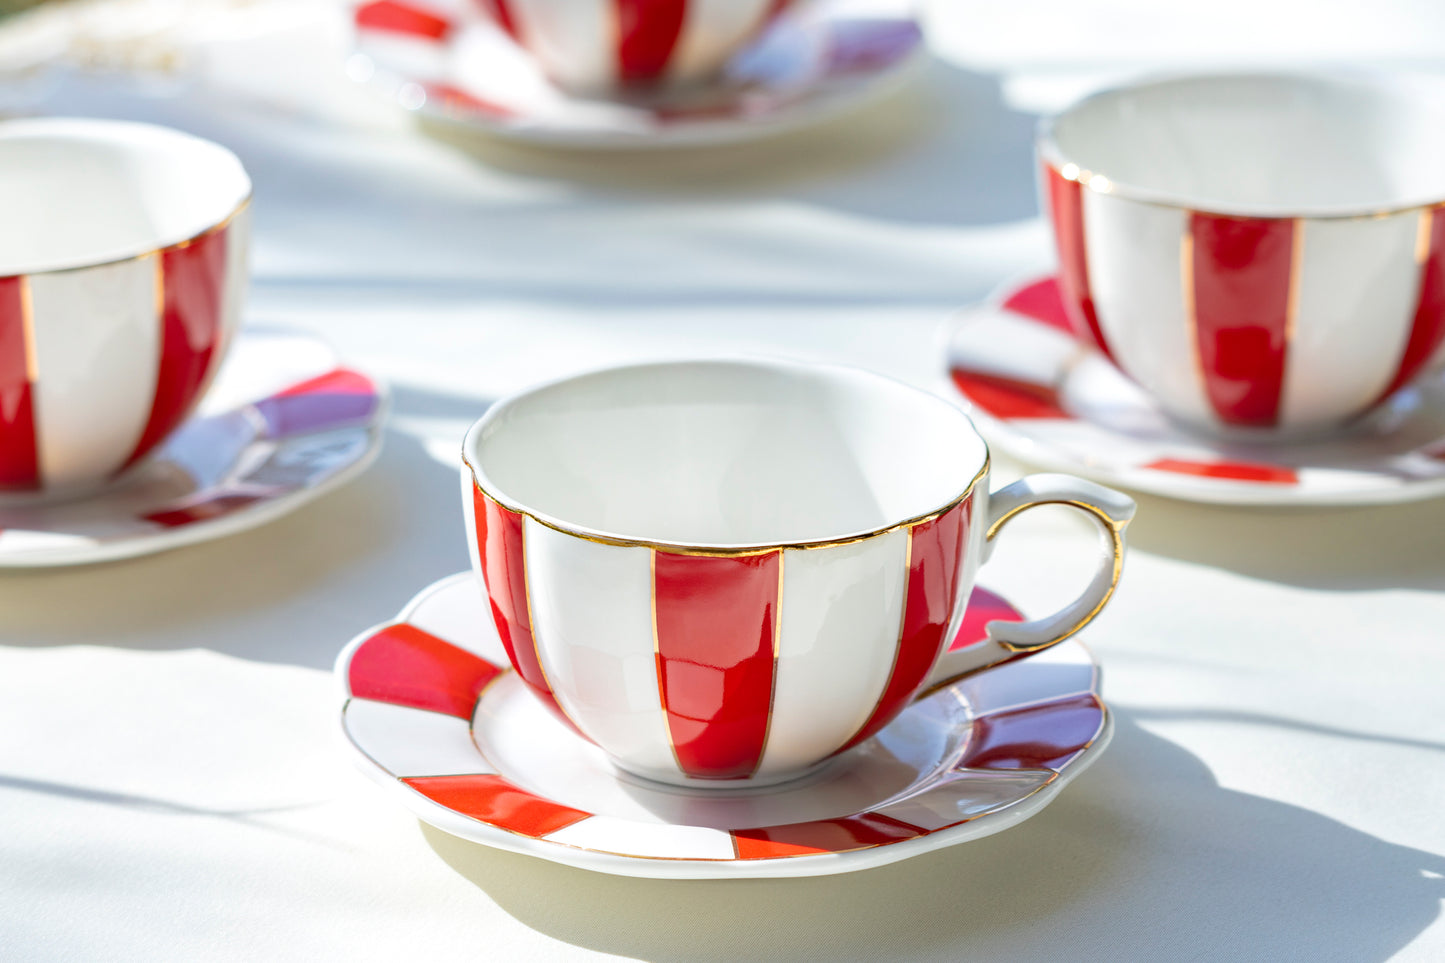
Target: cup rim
pixel 1103 182
pixel 103 128
pixel 487 487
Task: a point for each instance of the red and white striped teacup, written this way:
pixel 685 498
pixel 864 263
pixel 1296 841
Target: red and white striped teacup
pixel 600 44
pixel 1263 254
pixel 725 573
pixel 122 269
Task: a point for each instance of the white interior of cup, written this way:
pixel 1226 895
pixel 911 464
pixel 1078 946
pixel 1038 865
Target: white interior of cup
pixel 1266 145
pixel 725 453
pixel 78 192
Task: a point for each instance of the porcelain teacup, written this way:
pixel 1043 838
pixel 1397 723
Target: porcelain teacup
pixel 727 573
pixel 123 252
pixel 603 45
pixel 1264 254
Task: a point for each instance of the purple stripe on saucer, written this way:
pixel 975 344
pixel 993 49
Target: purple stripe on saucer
pixel 334 400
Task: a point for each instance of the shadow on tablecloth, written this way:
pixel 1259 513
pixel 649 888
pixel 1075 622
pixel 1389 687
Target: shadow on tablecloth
pixel 1342 549
pixel 1146 857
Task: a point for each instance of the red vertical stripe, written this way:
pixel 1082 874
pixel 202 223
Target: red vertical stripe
pixel 193 290
pixel 933 568
pixel 504 568
pixel 1066 207
pixel 716 619
pixel 501 12
pixel 1241 269
pixel 647 32
pixel 1428 329
pixel 19 453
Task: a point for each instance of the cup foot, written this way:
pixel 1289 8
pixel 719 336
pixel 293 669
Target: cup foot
pixel 727 787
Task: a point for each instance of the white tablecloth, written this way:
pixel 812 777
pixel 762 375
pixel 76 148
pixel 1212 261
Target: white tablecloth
pixel 171 781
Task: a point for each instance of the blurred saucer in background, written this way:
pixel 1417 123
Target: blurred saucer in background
pixel 443 60
pixel 283 424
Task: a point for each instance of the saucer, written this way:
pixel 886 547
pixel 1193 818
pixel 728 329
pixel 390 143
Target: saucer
pixel 444 60
pixel 282 424
pixel 434 714
pixel 1040 396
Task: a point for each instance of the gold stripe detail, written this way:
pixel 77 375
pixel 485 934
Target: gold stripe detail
pixel 536 645
pixel 1115 530
pixel 674 548
pixel 898 645
pixel 1296 271
pixel 27 331
pixel 160 291
pixel 1108 185
pixel 1186 290
pixel 1116 535
pixel 1422 235
pixel 220 225
pixel 657 659
pixel 777 652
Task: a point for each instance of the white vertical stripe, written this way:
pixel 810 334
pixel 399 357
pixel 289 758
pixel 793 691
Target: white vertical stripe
pixel 1134 277
pixel 711 31
pixel 97 348
pixel 592 621
pixel 841 614
pixel 575 40
pixel 1358 287
pixel 238 277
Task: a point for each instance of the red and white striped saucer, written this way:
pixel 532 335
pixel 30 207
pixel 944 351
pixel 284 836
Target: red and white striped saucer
pixel 445 60
pixel 1038 394
pixel 283 423
pixel 433 713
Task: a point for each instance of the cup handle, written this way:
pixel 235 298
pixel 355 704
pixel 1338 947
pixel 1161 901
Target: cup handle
pixel 1007 641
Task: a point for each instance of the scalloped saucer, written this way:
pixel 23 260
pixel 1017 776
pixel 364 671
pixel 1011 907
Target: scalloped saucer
pixel 283 424
pixel 430 713
pixel 1039 395
pixel 444 60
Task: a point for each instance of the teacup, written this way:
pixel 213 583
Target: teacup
pixel 600 45
pixel 123 253
pixel 727 573
pixel 1263 254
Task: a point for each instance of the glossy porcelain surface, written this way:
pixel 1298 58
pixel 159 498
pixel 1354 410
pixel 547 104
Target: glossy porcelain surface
pixel 1038 394
pixel 450 61
pixel 727 572
pixel 434 716
pixel 598 45
pixel 1260 253
pixel 122 270
pixel 284 423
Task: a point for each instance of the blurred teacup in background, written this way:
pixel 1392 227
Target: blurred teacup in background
pixel 1263 254
pixel 602 45
pixel 123 253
